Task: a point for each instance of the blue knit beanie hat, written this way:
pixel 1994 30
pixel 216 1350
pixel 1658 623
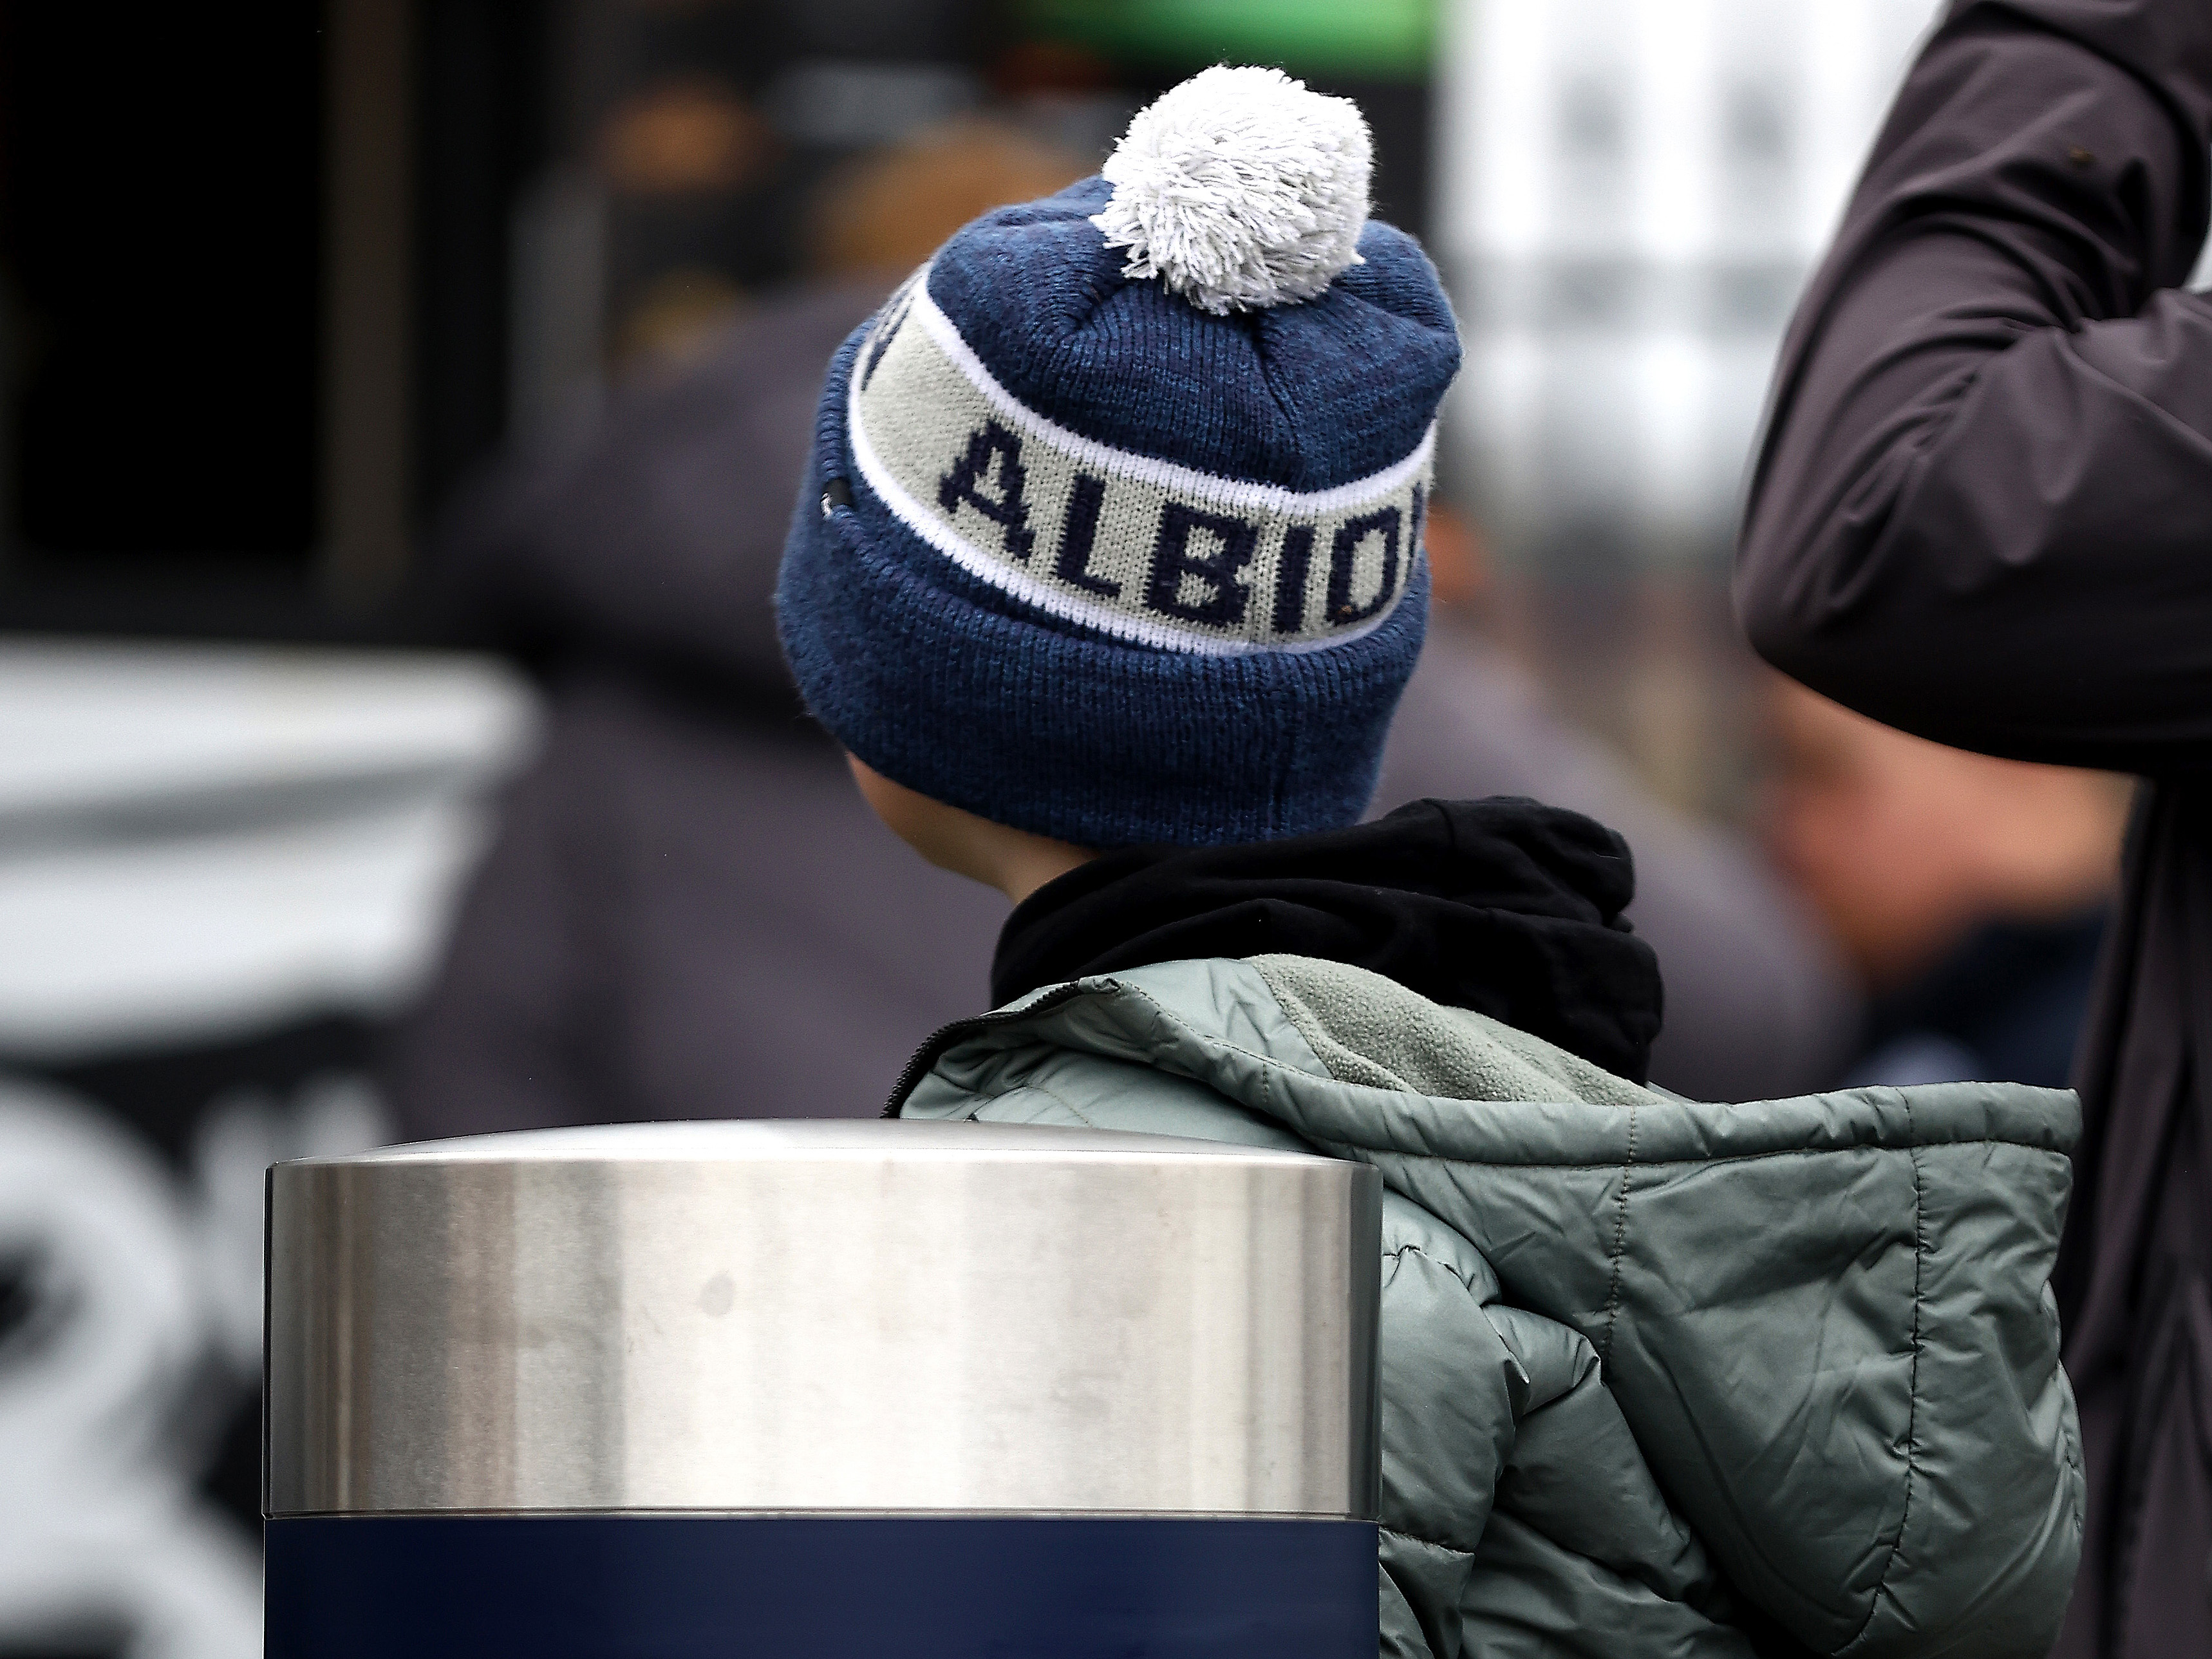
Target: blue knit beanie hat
pixel 1113 527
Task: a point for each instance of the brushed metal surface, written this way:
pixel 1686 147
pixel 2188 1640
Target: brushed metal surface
pixel 823 1317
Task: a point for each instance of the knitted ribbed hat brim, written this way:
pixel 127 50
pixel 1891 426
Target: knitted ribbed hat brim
pixel 959 690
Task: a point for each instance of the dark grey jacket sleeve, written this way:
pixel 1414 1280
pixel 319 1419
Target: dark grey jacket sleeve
pixel 1982 506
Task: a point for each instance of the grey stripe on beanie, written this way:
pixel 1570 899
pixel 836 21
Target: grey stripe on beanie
pixel 1124 543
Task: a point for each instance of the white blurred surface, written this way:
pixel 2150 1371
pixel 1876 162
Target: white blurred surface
pixel 197 840
pixel 101 1534
pixel 86 723
pixel 1629 195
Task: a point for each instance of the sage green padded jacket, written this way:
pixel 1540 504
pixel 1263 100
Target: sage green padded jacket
pixel 1643 1361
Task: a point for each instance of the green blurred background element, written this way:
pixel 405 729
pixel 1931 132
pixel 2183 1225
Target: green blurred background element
pixel 1378 39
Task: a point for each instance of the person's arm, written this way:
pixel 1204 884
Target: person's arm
pixel 1982 507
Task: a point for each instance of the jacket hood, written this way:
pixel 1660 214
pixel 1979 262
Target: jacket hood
pixel 1504 907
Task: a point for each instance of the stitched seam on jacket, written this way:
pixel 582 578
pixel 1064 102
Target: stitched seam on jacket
pixel 1364 1148
pixel 1619 1244
pixel 1453 1273
pixel 1705 1161
pixel 1271 1065
pixel 1267 1061
pixel 1361 1150
pixel 1434 1543
pixel 1912 1394
pixel 1053 1094
pixel 1467 1285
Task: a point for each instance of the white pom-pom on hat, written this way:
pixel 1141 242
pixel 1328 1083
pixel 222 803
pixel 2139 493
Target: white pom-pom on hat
pixel 1239 189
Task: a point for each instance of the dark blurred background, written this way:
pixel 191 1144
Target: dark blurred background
pixel 400 405
pixel 272 282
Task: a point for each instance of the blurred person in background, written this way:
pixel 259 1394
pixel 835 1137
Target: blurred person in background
pixel 686 890
pixel 684 879
pixel 1971 894
pixel 1980 512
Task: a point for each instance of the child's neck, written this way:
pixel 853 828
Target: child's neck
pixel 1022 869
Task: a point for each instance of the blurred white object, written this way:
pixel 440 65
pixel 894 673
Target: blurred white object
pixel 199 840
pixel 1630 193
pixel 197 844
pixel 102 1539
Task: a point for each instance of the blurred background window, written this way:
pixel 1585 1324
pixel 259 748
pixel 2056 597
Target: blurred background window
pixel 204 320
pixel 162 316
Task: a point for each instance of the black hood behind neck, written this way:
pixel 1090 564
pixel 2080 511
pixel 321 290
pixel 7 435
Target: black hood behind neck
pixel 1503 906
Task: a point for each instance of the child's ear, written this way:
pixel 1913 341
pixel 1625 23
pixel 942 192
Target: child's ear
pixel 947 837
pixel 1014 861
pixel 884 798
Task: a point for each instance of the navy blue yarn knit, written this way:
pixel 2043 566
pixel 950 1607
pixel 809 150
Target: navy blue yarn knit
pixel 1052 673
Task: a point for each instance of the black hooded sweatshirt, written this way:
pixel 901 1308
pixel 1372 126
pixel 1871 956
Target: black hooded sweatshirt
pixel 1503 906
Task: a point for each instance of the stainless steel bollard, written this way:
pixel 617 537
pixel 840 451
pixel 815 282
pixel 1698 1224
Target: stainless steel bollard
pixel 823 1387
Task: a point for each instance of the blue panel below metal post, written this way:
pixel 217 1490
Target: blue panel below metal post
pixel 674 1587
